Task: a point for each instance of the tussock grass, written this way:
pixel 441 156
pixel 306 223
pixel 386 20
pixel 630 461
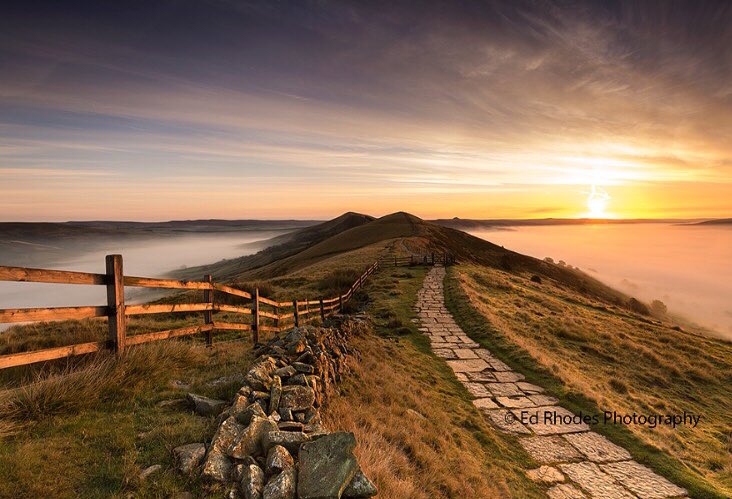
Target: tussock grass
pixel 598 357
pixel 103 379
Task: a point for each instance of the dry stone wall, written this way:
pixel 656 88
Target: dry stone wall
pixel 270 443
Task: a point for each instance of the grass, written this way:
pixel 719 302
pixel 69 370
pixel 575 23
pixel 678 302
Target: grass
pixel 418 434
pixel 597 357
pixel 89 433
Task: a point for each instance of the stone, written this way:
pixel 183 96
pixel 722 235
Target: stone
pixel 445 353
pixel 508 376
pixel 597 483
pixel 249 441
pixel 285 372
pixel 477 390
pixel 303 368
pixel 188 457
pixel 217 465
pixel 245 417
pixel 281 486
pixel 552 420
pixel 144 474
pixel 259 376
pixel 297 398
pixel 290 440
pixel 360 487
pixel 596 447
pixel 470 365
pixel 504 389
pixel 252 482
pixel 290 426
pixel 546 474
pixel 205 406
pixel 327 466
pixel 505 421
pixel 565 491
pixel 465 353
pixel 641 480
pixel 298 379
pixel 485 403
pixel 552 449
pixel 481 376
pixel 543 400
pixel 528 387
pixel 515 402
pixel 275 394
pixel 278 459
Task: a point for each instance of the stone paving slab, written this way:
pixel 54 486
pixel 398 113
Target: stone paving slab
pixel 597 448
pixel 565 491
pixel 550 420
pixel 596 466
pixel 594 481
pixel 641 480
pixel 552 449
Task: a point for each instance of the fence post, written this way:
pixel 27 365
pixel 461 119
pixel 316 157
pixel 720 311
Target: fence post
pixel 296 312
pixel 322 310
pixel 116 302
pixel 255 328
pixel 433 258
pixel 277 313
pixel 208 297
pixel 340 303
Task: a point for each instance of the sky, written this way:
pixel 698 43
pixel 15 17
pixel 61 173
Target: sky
pixel 185 109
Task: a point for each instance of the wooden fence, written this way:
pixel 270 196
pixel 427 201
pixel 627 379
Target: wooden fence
pixel 412 260
pixel 265 315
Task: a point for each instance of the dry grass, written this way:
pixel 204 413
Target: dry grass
pixel 416 438
pixel 619 360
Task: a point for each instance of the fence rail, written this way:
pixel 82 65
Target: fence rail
pixel 412 260
pixel 279 316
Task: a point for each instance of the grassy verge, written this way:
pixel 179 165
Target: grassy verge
pixel 418 434
pixel 514 310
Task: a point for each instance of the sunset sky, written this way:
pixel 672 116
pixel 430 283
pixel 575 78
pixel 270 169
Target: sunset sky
pixel 225 109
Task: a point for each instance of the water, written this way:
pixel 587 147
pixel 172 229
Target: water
pixel 153 257
pixel 687 267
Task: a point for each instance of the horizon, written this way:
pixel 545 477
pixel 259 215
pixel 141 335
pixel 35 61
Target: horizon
pixel 499 110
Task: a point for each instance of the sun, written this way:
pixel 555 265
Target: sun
pixel 597 201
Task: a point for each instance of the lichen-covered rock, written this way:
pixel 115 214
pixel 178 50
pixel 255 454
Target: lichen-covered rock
pixel 252 482
pixel 245 416
pixel 327 466
pixel 290 440
pixel 217 465
pixel 188 457
pixel 360 487
pixel 286 371
pixel 205 406
pixel 278 459
pixel 259 376
pixel 249 441
pixel 274 394
pixel 282 485
pixel 303 367
pixel 297 398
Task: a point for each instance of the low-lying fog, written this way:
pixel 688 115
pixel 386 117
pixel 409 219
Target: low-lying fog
pixel 687 267
pixel 153 257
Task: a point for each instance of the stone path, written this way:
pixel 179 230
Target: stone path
pixel 576 462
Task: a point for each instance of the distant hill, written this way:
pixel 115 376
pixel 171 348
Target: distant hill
pixel 351 231
pixel 719 221
pixel 472 224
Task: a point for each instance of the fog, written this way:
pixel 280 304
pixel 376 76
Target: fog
pixel 687 267
pixel 151 257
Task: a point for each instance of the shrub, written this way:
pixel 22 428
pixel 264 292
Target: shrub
pixel 658 307
pixel 638 307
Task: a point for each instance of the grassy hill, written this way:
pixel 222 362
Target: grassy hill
pixel 562 328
